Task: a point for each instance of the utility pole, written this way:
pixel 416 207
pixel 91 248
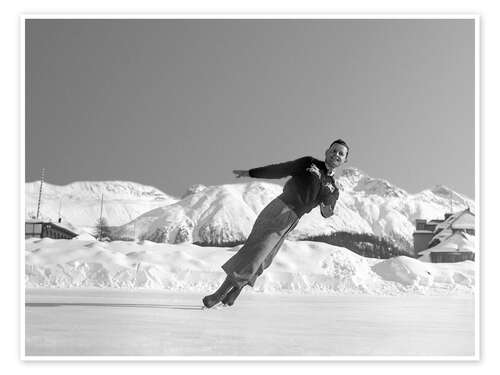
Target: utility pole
pixel 102 199
pixel 59 218
pixel 100 218
pixel 40 194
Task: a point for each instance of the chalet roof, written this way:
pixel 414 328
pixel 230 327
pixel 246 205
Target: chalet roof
pixel 435 221
pixel 444 234
pixel 464 221
pixel 57 225
pixel 459 220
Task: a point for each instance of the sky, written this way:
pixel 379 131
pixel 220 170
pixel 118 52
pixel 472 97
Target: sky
pixel 173 103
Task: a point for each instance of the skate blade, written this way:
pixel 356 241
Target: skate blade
pixel 219 306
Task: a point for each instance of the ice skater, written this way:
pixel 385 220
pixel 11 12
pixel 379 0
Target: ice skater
pixel 311 184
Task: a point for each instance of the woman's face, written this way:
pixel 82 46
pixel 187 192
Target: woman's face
pixel 335 156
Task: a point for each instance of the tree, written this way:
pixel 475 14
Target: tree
pixel 364 244
pixel 102 231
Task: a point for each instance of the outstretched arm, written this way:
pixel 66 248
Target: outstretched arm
pixel 280 170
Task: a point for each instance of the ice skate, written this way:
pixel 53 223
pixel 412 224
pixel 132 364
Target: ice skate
pixel 213 299
pixel 231 296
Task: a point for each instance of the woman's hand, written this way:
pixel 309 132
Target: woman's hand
pixel 241 173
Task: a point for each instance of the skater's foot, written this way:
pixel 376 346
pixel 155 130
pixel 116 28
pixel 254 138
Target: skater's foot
pixel 213 299
pixel 231 296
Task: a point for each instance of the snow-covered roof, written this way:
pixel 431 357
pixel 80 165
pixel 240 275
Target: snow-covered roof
pixel 444 234
pixel 464 221
pixel 459 220
pixel 445 223
pixel 61 225
pixel 457 242
pixel 435 221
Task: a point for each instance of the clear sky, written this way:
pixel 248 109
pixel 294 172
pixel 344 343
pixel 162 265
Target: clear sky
pixel 172 103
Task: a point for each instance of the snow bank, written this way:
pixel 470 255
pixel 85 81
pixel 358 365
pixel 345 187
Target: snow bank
pixel 300 267
pixel 85 236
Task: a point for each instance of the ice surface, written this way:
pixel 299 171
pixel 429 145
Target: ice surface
pixel 81 322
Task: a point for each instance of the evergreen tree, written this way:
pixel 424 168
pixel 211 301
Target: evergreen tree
pixel 364 244
pixel 102 231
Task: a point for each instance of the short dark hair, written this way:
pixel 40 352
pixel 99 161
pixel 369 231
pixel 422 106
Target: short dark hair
pixel 341 142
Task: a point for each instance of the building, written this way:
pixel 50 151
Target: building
pixel 42 229
pixel 463 221
pixel 456 248
pixel 452 231
pixel 424 233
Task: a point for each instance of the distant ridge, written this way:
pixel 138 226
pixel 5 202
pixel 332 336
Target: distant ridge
pixel 226 213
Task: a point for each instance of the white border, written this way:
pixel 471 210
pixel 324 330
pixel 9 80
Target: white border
pixel 478 269
pixel 268 15
pixel 255 15
pixel 22 185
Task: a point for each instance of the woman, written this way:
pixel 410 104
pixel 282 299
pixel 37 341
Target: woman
pixel 312 184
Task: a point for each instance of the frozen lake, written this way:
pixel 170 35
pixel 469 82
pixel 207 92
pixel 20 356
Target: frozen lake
pixel 115 322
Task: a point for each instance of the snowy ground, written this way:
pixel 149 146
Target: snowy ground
pixel 140 322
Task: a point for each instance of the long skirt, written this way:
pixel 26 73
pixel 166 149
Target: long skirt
pixel 268 233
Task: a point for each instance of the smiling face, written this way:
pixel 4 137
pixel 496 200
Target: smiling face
pixel 335 156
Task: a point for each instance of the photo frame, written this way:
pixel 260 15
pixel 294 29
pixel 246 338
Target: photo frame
pixel 90 321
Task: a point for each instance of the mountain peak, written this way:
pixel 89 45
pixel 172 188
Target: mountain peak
pixel 348 177
pixel 355 180
pixel 193 189
pixel 350 172
pixel 442 190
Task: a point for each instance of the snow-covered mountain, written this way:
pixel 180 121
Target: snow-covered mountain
pixel 80 202
pixel 218 214
pixel 215 214
pixel 226 213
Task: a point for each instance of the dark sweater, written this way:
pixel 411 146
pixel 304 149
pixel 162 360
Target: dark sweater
pixel 308 186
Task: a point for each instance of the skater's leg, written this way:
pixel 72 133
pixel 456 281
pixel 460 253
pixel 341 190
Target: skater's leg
pixel 271 226
pixel 213 299
pixel 235 292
